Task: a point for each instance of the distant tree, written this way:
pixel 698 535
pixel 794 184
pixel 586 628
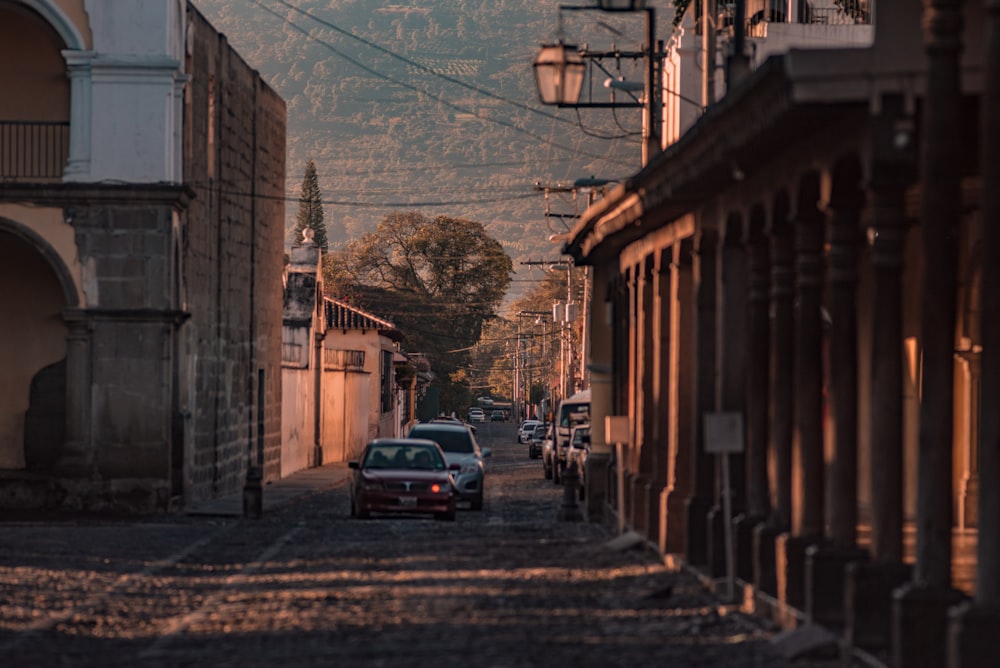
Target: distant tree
pixel 439 280
pixel 311 209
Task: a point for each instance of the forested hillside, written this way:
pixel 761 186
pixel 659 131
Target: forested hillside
pixel 431 106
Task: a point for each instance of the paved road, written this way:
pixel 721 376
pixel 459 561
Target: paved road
pixel 307 586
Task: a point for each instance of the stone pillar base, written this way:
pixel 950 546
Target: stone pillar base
pixel 764 569
pixel 596 484
pixel 743 531
pixel 968 502
pixel 869 603
pixel 790 568
pixel 675 524
pixel 639 506
pixel 716 532
pixel 697 509
pixel 653 513
pixel 972 636
pixel 920 624
pixel 628 498
pixel 825 584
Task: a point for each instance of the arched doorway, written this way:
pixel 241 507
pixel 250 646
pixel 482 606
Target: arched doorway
pixel 32 340
pixel 34 123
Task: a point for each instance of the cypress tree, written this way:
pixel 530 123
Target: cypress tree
pixel 311 209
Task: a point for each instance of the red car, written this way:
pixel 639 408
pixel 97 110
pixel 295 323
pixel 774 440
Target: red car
pixel 409 476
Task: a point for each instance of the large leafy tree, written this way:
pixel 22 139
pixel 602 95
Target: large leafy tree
pixel 439 280
pixel 311 209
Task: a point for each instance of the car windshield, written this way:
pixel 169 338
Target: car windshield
pixel 450 440
pixel 403 457
pixel 540 431
pixel 574 414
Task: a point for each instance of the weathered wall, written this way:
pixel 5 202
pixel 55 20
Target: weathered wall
pixel 232 254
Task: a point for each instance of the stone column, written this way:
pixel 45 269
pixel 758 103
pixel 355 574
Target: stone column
pixel 78 68
pixel 658 419
pixel 77 458
pixel 920 611
pixel 647 455
pixel 598 496
pixel 826 567
pixel 730 393
pixel 682 390
pixel 638 373
pixel 781 404
pixel 733 343
pixel 870 586
pixel 973 627
pixel 807 445
pixel 758 359
pixel 702 465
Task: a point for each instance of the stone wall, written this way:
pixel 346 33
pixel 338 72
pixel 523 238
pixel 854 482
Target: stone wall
pixel 231 252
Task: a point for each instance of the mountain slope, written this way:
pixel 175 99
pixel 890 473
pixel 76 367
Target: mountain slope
pixel 431 106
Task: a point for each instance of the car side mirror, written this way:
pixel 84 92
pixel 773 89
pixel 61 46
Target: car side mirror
pixel 454 466
pixel 487 452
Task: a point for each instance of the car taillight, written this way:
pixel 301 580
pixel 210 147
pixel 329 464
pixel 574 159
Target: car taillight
pixel 435 488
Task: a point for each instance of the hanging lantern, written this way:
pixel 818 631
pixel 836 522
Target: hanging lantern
pixel 559 71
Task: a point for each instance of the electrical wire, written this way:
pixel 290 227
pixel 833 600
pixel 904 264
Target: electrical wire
pixel 437 98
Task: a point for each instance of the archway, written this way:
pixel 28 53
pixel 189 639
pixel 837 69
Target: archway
pixel 32 336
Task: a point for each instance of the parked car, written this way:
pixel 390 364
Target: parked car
pixel 525 431
pixel 538 435
pixel 576 455
pixel 573 410
pixel 397 475
pixel 497 416
pixel 549 453
pixel 460 447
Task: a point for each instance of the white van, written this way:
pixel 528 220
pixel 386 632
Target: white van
pixel 572 411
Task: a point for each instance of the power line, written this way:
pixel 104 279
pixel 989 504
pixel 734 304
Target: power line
pixel 392 205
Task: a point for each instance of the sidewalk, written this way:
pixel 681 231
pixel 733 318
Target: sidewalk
pixel 278 493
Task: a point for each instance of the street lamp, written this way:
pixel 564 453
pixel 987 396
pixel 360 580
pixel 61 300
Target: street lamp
pixel 559 71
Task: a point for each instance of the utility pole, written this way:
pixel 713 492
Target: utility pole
pixel 707 52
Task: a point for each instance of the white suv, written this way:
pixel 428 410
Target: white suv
pixel 525 431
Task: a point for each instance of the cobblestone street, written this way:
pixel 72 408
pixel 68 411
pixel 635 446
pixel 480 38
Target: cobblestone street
pixel 307 586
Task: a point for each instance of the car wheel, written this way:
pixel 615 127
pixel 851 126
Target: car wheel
pixel 448 516
pixel 362 513
pixel 477 503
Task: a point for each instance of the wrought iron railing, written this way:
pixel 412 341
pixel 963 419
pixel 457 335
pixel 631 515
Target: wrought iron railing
pixel 33 150
pixel 828 12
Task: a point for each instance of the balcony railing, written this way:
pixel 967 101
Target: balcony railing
pixel 33 150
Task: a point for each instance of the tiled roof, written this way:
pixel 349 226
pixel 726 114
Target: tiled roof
pixel 340 315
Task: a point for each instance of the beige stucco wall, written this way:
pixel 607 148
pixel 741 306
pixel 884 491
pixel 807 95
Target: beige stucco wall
pixel 32 64
pixel 49 223
pixel 351 399
pixel 297 421
pixel 76 14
